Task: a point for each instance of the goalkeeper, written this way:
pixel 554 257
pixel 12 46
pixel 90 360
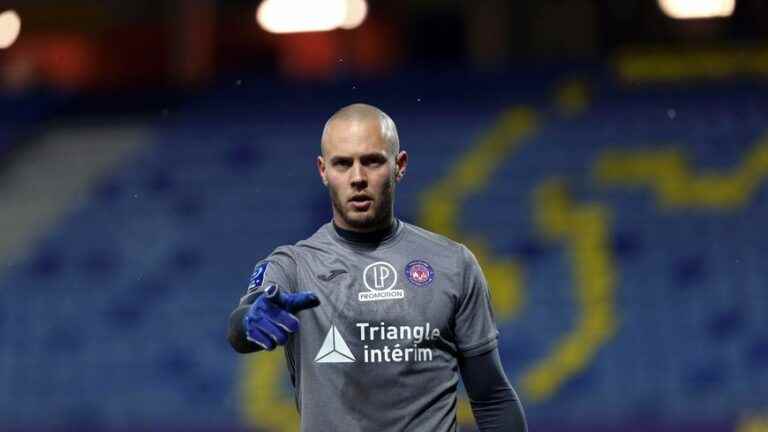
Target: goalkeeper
pixel 379 318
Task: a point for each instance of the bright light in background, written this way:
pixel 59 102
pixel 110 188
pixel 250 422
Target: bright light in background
pixel 689 9
pixel 10 27
pixel 295 16
pixel 356 13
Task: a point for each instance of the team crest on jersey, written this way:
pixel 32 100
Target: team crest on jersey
pixel 419 273
pixel 380 278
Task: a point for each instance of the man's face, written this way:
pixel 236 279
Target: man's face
pixel 360 173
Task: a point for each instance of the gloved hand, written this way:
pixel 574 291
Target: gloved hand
pixel 270 319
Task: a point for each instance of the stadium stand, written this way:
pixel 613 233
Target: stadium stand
pixel 101 307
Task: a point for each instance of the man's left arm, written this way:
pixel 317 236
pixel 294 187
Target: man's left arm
pixel 495 404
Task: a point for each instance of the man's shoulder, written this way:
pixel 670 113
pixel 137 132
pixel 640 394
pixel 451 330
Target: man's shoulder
pixel 318 239
pixel 433 238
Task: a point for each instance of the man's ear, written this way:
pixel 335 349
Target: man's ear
pixel 401 163
pixel 321 169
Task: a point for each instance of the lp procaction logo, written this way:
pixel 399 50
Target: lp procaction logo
pixel 380 277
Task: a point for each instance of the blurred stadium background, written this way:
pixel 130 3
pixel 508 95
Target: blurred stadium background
pixel 606 161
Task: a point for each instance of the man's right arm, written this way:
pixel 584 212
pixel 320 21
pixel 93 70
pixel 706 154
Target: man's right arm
pixel 270 321
pixel 278 269
pixel 237 337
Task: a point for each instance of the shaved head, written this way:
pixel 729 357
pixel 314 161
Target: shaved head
pixel 360 163
pixel 363 113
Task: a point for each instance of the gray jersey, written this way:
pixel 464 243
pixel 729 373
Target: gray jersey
pixel 380 352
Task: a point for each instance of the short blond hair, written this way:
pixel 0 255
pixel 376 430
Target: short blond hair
pixel 361 111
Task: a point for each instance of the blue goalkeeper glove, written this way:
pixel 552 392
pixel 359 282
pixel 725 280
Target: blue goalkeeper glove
pixel 270 320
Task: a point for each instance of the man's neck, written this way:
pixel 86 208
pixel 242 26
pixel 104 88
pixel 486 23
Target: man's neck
pixel 374 236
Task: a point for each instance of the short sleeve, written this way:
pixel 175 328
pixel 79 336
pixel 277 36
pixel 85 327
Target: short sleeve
pixel 279 268
pixel 475 327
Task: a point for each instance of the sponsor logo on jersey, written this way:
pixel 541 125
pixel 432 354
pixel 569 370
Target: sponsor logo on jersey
pixel 334 349
pixel 380 277
pixel 332 274
pixel 381 343
pixel 408 348
pixel 419 273
pixel 257 277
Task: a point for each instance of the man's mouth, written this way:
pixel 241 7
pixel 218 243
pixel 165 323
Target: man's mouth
pixel 361 202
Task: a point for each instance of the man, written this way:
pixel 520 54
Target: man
pixel 377 316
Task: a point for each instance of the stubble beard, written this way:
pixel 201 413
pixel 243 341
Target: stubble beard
pixel 379 216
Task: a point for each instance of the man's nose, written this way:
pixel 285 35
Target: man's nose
pixel 358 179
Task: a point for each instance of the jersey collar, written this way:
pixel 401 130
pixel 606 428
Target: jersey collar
pixel 373 238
